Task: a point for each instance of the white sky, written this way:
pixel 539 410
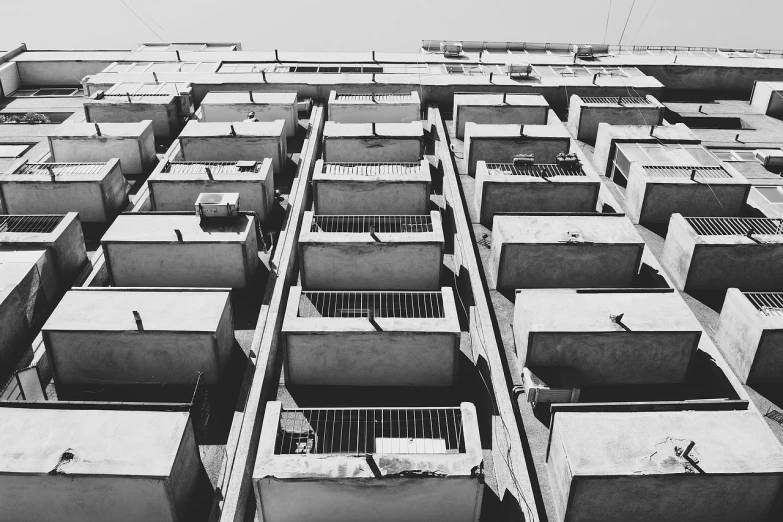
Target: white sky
pixel 395 25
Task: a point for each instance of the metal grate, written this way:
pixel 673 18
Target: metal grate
pixel 216 167
pixel 29 224
pixel 728 226
pixel 61 169
pixel 671 171
pixel 407 305
pixel 125 96
pixel 368 224
pixel 544 170
pixel 768 303
pixel 625 100
pixel 373 97
pixel 362 431
pixel 371 169
pixel 775 415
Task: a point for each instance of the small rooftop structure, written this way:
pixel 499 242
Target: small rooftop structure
pixel 767 97
pixel 220 106
pixel 373 142
pixel 497 109
pixel 585 113
pixel 374 108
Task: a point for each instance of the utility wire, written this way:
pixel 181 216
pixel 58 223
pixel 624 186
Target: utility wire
pixel 630 12
pixel 141 20
pixel 608 14
pixel 644 20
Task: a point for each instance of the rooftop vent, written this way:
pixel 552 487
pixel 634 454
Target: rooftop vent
pixel 407 305
pixel 29 224
pixel 728 226
pixel 371 224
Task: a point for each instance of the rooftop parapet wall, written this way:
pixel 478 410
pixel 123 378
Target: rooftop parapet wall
pixel 372 108
pixel 373 142
pixel 163 110
pixel 585 114
pixel 267 106
pixel 506 108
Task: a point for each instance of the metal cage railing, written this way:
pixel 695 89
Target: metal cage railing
pixel 406 305
pixel 363 431
pixel 372 98
pixel 371 169
pixel 684 171
pixel 33 224
pixel 61 169
pixel 543 170
pixel 617 100
pixel 768 303
pixel 215 167
pixel 371 224
pixel 729 226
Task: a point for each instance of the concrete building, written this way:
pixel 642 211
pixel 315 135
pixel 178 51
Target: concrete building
pixel 466 282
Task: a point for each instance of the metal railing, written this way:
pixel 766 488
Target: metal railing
pixel 729 226
pixel 215 167
pixel 371 169
pixel 33 224
pixel 363 431
pixel 671 171
pixel 768 303
pixel 543 170
pixel 617 100
pixel 127 96
pixel 372 98
pixel 407 305
pixel 368 224
pixel 61 169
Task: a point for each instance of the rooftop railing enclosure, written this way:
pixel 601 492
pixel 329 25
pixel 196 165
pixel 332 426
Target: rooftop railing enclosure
pixel 505 108
pixel 219 106
pixel 695 460
pixel 373 142
pixel 749 335
pixel 500 143
pixel 608 337
pixel 97 463
pixel 374 108
pixel 372 188
pixel 60 234
pixel 564 251
pixel 97 191
pixel 176 185
pixel 132 143
pixel 557 187
pixel 717 253
pixel 328 464
pixel 239 141
pixel 586 113
pixel 343 252
pixel 178 249
pixel 366 338
pixel 120 336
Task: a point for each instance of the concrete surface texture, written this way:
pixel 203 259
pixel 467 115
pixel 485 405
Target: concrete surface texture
pixel 564 251
pixel 370 108
pixel 82 465
pixel 497 109
pixel 584 117
pixel 163 111
pixel 651 466
pixel 610 337
pixel 234 106
pixel 373 142
pixel 94 338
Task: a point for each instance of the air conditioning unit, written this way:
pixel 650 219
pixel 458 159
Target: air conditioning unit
pixel 539 391
pixel 451 49
pixel 523 159
pixel 582 51
pixel 519 69
pixel 568 160
pixel 770 158
pixel 213 205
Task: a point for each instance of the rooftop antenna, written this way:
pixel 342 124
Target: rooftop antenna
pixel 693 174
pixel 277 59
pixel 373 131
pixel 490 77
pixel 522 129
pixel 178 232
pixel 233 132
pixel 97 130
pixel 51 172
pixel 652 129
pixel 155 75
pixel 137 318
pixel 263 75
pixel 178 58
pixel 504 99
pixel 129 98
pixel 209 172
pixel 251 96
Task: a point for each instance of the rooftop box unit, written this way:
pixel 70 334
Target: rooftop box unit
pixel 97 191
pixel 767 97
pixel 239 141
pixel 585 113
pixel 655 192
pixel 500 143
pixel 561 386
pixel 581 51
pixel 558 187
pixel 666 465
pixel 750 334
pixel 371 252
pixel 374 108
pixel 374 142
pixel 610 337
pixel 371 338
pixel 132 143
pixel 716 253
pixel 234 106
pixel 91 464
pixel 515 70
pixel 770 158
pixel 176 185
pixel 451 49
pixel 122 336
pixel 217 205
pixel 564 251
pixel 384 188
pixel 174 249
pixel 364 460
pixel 511 109
pixel 60 234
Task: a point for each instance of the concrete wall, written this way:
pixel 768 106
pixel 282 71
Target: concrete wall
pixel 567 329
pixel 767 98
pixel 163 112
pixel 653 200
pixel 584 118
pixel 15 336
pixel 125 465
pixel 390 142
pixel 500 143
pixel 234 106
pixel 497 193
pixel 734 473
pixel 56 73
pixel 93 339
pixel 490 108
pixel 34 274
pixel 97 198
pixel 533 252
pixel 132 143
pixel 9 78
pixel 142 250
pixel 377 111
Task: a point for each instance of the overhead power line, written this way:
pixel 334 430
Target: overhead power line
pixel 644 20
pixel 608 13
pixel 141 20
pixel 630 12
